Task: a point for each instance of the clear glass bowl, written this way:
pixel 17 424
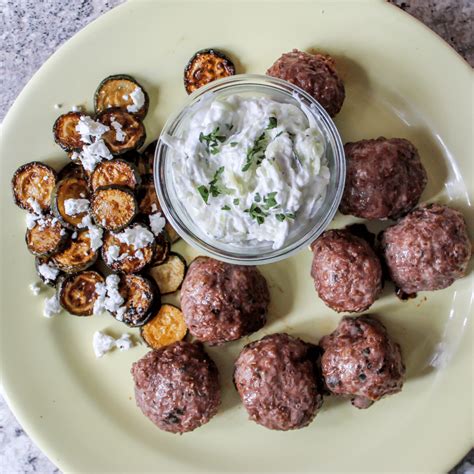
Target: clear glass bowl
pixel 260 252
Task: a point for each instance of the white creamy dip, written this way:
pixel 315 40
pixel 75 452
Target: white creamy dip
pixel 249 169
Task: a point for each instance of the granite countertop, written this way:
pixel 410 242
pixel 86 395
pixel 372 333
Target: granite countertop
pixel 32 30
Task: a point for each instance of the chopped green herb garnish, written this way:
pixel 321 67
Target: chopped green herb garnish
pixel 270 200
pixel 257 213
pixel 290 215
pixel 204 192
pixel 236 201
pixel 212 140
pixel 280 217
pixel 233 143
pixel 257 197
pixel 272 123
pixel 225 208
pixel 255 153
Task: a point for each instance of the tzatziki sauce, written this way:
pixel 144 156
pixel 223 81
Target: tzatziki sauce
pixel 249 169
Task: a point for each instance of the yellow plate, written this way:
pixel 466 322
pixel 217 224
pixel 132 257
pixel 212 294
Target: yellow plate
pixel 401 80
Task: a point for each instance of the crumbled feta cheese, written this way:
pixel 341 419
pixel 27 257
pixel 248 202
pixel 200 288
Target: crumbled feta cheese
pixel 74 235
pixel 139 254
pixel 102 343
pixel 31 220
pixel 108 296
pixel 154 207
pixel 112 253
pixel 34 205
pixel 48 271
pixel 35 288
pixel 138 99
pixel 76 108
pixel 51 307
pixel 119 315
pixel 90 129
pixel 124 343
pixel 157 223
pixel 58 106
pixel 95 233
pixel 119 133
pixel 138 236
pixel 93 154
pixel 72 207
pixel 125 97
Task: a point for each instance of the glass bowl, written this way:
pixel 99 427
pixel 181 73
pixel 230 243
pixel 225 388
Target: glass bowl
pixel 260 252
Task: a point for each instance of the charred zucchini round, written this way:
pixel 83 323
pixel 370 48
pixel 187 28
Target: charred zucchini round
pixel 145 159
pixel 122 257
pixel 169 275
pixel 77 256
pixel 206 66
pixel 166 327
pixel 72 169
pixel 72 187
pixel 65 133
pixel 77 293
pixel 46 237
pixel 147 198
pixel 117 172
pixel 126 133
pixel 47 271
pixel 141 299
pixel 113 207
pixel 33 183
pixel 162 249
pixel 119 91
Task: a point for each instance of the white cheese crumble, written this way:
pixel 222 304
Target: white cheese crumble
pixel 72 207
pixel 109 297
pixel 48 271
pixel 112 253
pixel 58 106
pixel 95 232
pixel 157 223
pixel 31 220
pixel 103 343
pixel 51 307
pixel 35 288
pixel 137 236
pixel 119 133
pixel 138 99
pixel 250 169
pixel 35 205
pixel 74 235
pixel 76 108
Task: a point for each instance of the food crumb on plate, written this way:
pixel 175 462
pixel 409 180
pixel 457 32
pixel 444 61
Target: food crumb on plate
pixel 35 288
pixel 103 343
pixel 51 307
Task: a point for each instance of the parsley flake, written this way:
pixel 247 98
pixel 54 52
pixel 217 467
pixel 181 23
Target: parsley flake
pixel 272 123
pixel 225 208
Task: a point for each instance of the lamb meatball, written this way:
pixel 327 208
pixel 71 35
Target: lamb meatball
pixel 428 249
pixel 223 302
pixel 359 360
pixel 384 178
pixel 346 271
pixel 276 378
pixel 314 73
pixel 177 386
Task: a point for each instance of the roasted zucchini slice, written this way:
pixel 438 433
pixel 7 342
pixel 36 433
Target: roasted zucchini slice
pixel 145 159
pixel 118 172
pixel 71 188
pixel 173 236
pixel 124 257
pixel 32 186
pixel 126 133
pixel 65 133
pixel 77 293
pixel 72 169
pixel 47 237
pixel 47 271
pixel 141 299
pixel 77 256
pixel 123 91
pixel 162 249
pixel 169 275
pixel 166 327
pixel 206 66
pixel 113 207
pixel 147 198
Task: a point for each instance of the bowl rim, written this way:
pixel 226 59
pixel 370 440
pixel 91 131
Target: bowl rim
pixel 274 255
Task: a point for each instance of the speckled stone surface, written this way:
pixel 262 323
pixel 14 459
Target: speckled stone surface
pixel 31 30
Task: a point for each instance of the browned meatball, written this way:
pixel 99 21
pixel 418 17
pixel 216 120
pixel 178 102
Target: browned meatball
pixel 428 249
pixel 384 178
pixel 177 386
pixel 346 271
pixel 223 302
pixel 314 73
pixel 276 378
pixel 361 361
